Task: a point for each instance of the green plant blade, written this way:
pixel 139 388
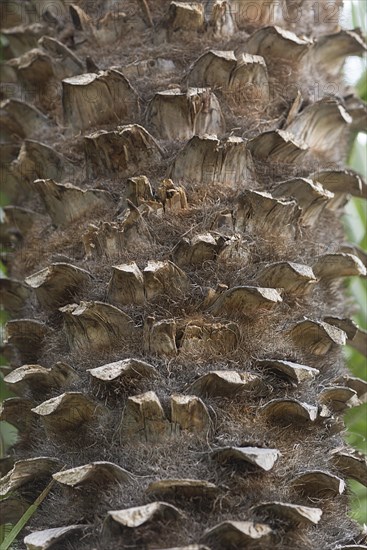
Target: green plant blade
pixel 10 538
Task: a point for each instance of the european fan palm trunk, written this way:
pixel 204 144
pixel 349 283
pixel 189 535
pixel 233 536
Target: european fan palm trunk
pixel 176 261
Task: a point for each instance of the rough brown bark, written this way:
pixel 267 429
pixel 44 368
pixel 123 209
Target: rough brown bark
pixel 176 263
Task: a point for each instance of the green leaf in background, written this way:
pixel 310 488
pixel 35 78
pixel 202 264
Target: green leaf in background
pixel 356 224
pixel 8 436
pixel 12 535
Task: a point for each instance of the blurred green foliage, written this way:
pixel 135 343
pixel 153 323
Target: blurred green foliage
pixel 356 419
pixel 356 224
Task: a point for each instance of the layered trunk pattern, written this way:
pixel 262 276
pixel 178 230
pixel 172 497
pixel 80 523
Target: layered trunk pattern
pixel 176 265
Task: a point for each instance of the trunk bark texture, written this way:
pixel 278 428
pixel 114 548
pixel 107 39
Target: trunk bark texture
pixel 176 264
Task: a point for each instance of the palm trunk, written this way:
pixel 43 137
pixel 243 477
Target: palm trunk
pixel 177 264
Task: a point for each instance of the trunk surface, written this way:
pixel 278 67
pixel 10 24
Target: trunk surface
pixel 176 274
